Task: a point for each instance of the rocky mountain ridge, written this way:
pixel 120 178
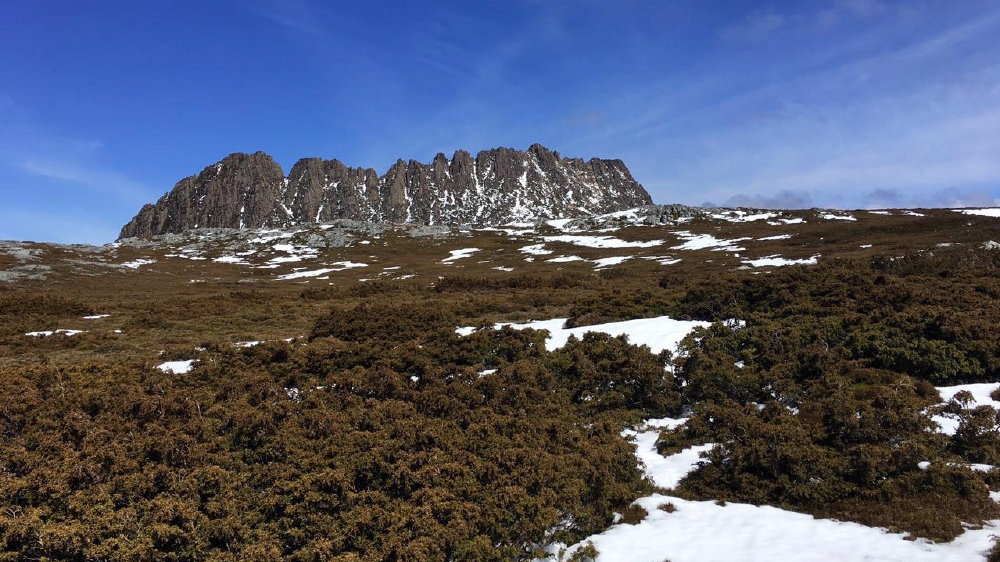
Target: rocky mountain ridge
pixel 496 186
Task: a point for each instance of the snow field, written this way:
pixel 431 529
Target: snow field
pixel 658 333
pixel 600 241
pixel 135 264
pixel 176 367
pixel 777 261
pixel 340 266
pixel 61 331
pixel 980 397
pixel 707 241
pixel 706 530
pixel 990 212
pixel 459 254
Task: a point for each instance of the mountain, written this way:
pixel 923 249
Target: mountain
pixel 498 186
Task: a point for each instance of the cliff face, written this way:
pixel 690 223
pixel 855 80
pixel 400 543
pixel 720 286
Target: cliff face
pixel 496 186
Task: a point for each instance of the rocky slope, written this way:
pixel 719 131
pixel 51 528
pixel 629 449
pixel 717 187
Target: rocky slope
pixel 494 187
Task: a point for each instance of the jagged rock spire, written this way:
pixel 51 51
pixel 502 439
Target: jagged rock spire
pixel 497 186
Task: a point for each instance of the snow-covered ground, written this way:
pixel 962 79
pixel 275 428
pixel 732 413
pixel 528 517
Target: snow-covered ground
pixel 665 472
pixel 459 254
pixel 682 530
pixel 991 212
pixel 176 367
pixel 61 331
pixel 795 220
pixel 658 333
pixel 700 531
pixel 614 260
pixel 136 264
pixel 707 241
pixel 601 241
pixel 980 397
pixel 743 216
pixel 836 217
pixel 776 261
pixel 338 266
pixel 536 250
pixel 564 259
pixel 706 531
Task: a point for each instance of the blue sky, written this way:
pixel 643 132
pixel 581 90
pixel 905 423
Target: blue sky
pixel 852 103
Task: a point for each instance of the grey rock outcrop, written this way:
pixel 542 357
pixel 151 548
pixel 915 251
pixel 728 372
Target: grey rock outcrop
pixel 496 186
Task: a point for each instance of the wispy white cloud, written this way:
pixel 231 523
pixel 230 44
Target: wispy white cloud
pixel 756 26
pixel 83 194
pixel 915 117
pixel 86 175
pixel 299 16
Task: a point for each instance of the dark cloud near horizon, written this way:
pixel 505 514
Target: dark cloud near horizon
pixel 784 199
pixel 883 197
pixel 880 198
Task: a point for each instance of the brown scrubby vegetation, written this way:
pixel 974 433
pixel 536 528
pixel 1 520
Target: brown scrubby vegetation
pixel 827 410
pixel 376 433
pixel 306 451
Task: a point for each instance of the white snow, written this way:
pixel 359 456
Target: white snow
pixel 459 254
pixel 991 212
pixel 134 264
pixel 834 216
pixel 289 259
pixel 705 530
pixel 665 472
pixel 237 260
pixel 564 259
pixel 605 262
pixel 536 250
pixel 46 333
pixel 775 261
pixel 980 393
pixel 705 241
pixel 96 316
pixel 880 212
pixel 339 266
pixel 600 241
pixel 663 260
pixel 502 268
pixel 295 254
pixel 795 220
pixel 980 397
pixel 776 237
pixel 176 367
pixel 658 333
pixel 742 216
